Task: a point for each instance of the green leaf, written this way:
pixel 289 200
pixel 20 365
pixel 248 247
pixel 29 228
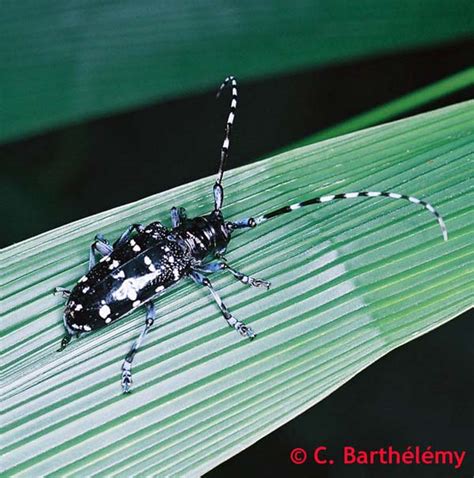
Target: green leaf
pixel 352 280
pixel 64 62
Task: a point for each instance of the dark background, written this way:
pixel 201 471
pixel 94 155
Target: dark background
pixel 420 394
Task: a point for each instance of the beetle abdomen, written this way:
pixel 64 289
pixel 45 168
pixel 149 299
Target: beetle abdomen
pixel 131 275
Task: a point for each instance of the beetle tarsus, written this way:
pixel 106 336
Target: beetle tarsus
pixel 64 342
pixel 126 376
pixel 246 331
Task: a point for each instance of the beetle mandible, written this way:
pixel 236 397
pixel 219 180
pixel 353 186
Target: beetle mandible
pixel 146 260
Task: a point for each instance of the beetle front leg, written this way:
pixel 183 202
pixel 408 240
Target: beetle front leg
pixel 244 278
pixel 245 223
pixel 178 216
pixel 127 363
pixel 230 319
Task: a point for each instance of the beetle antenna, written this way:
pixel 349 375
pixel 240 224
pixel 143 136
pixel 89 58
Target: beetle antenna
pixel 218 190
pixel 332 197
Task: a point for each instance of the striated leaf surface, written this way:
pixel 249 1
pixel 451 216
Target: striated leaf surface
pixel 351 281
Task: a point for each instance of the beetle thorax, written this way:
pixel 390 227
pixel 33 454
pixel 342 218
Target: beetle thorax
pixel 205 235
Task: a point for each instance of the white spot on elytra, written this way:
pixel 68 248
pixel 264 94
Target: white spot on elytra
pixel 171 259
pixel 114 264
pixel 75 326
pixel 176 274
pixel 85 289
pixel 151 268
pixel 87 328
pixel 78 307
pixel 147 260
pixel 104 311
pixel 159 288
pixel 119 275
pixel 129 288
pixel 136 303
pixel 132 242
pixel 108 320
pixel 83 279
pixel 137 248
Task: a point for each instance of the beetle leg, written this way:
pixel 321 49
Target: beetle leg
pixel 100 245
pixel 126 235
pixel 127 363
pixel 246 222
pixel 178 216
pixel 230 319
pixel 61 290
pixel 64 342
pixel 222 265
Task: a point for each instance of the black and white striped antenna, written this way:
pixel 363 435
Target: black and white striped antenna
pixel 331 197
pixel 218 190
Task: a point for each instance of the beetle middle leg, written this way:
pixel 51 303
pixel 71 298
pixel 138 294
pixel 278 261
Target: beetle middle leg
pixel 230 319
pixel 126 235
pixel 127 363
pixel 100 245
pixel 244 278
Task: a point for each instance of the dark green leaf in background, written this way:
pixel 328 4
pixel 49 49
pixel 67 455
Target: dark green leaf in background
pixel 65 61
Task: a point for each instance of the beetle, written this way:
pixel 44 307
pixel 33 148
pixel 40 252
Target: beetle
pixel 146 260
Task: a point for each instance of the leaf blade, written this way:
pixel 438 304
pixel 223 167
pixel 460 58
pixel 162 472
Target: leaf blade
pixel 365 278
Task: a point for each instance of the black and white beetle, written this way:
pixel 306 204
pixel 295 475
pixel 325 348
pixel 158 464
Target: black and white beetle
pixel 147 260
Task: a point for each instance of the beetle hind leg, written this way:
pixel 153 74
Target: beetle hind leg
pixel 127 363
